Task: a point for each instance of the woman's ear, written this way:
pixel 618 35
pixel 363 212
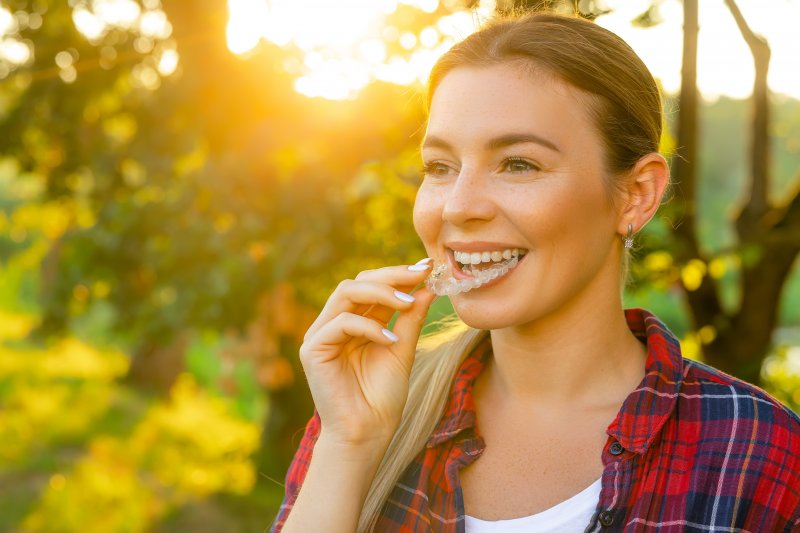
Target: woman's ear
pixel 644 188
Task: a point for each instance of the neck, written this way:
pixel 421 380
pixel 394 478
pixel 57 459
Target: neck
pixel 582 355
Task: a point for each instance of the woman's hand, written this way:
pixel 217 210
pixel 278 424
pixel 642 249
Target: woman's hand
pixel 357 372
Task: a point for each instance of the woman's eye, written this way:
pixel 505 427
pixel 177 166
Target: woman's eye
pixel 435 169
pixel 518 165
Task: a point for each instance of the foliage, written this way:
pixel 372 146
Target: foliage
pixel 781 374
pixel 161 198
pixel 139 458
pixel 230 181
pixel 126 484
pixel 38 383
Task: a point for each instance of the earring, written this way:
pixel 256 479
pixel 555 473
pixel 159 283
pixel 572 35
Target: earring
pixel 628 242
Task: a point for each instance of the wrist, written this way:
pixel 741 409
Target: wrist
pixel 367 452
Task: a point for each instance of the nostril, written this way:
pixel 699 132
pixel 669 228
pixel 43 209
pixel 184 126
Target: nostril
pixel 462 212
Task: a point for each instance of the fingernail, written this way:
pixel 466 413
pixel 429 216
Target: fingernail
pixel 426 260
pixel 419 267
pixel 403 296
pixel 389 335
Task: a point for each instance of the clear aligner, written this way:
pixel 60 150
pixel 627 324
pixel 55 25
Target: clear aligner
pixel 442 282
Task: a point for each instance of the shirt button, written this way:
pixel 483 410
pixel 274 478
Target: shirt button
pixel 606 518
pixel 616 448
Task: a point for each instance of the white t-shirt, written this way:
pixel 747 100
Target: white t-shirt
pixel 571 515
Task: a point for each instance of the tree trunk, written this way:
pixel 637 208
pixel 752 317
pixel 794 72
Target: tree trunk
pixel 704 303
pixel 156 365
pixel 769 237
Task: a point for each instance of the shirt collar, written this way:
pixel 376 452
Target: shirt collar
pixel 643 412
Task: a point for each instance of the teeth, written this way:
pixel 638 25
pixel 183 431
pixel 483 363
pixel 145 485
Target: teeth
pixel 476 258
pixel 442 283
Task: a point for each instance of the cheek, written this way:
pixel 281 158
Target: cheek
pixel 565 215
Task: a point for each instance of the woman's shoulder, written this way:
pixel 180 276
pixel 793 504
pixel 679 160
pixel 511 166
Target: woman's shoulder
pixel 728 395
pixel 737 442
pixel 739 419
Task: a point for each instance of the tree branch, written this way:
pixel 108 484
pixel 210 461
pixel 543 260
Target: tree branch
pixel 753 40
pixel 751 224
pixel 788 225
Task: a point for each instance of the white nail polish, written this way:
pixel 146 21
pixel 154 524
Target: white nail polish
pixel 419 268
pixel 403 296
pixel 424 261
pixel 389 335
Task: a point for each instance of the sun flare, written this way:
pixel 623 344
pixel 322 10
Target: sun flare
pixel 346 45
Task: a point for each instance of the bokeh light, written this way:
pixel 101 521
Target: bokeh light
pixel 345 43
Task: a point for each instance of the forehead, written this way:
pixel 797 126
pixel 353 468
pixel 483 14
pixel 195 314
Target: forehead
pixel 482 102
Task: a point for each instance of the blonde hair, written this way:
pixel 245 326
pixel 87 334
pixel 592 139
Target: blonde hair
pixel 438 357
pixel 625 103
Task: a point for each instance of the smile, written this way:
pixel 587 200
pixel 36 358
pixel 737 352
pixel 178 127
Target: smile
pixel 451 278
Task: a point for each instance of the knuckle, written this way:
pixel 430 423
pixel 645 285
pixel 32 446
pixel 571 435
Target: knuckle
pixel 343 286
pixel 364 274
pixel 346 316
pixel 303 352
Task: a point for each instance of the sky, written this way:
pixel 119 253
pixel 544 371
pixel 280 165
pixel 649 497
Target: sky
pixel 725 65
pixel 344 42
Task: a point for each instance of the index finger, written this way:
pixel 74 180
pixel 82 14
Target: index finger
pixel 401 277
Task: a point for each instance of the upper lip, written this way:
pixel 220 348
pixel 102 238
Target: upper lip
pixel 481 246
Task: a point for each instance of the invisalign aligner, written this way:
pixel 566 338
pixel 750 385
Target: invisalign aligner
pixel 443 284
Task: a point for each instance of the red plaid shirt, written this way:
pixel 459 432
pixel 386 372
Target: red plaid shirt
pixel 691 449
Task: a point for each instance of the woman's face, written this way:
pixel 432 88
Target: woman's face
pixel 513 160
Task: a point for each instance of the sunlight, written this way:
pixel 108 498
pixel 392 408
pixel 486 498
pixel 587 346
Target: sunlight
pixel 247 18
pixel 8 23
pixel 95 19
pixel 725 66
pixel 344 44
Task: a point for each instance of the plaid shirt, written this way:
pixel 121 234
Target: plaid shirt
pixel 691 449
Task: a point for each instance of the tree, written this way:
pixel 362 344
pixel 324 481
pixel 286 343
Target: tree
pixel 588 9
pixel 196 184
pixel 768 232
pixel 207 190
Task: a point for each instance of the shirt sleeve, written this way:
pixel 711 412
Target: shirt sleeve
pixel 297 471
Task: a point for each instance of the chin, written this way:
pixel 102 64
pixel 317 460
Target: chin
pixel 479 317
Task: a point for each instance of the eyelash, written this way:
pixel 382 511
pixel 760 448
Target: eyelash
pixel 512 160
pixel 429 168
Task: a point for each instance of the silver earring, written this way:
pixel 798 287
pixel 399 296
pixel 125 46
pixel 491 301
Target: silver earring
pixel 628 242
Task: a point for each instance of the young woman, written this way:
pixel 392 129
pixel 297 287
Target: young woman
pixel 547 407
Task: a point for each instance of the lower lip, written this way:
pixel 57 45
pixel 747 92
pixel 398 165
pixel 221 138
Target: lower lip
pixel 459 274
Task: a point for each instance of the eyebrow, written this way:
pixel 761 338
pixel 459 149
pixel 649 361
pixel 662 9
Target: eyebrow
pixel 495 143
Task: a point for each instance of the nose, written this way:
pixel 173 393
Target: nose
pixel 468 199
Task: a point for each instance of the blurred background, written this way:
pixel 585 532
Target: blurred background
pixel 183 183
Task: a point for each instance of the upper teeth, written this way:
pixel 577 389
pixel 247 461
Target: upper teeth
pixel 475 258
